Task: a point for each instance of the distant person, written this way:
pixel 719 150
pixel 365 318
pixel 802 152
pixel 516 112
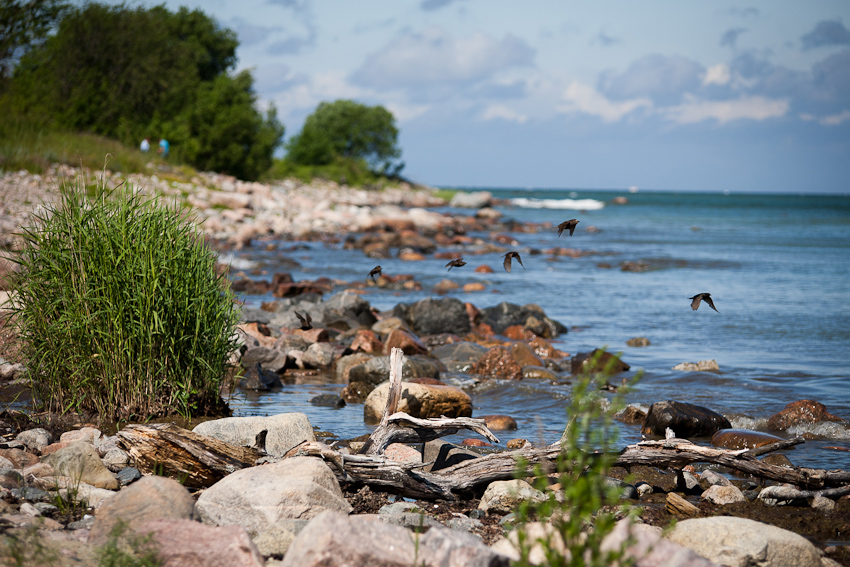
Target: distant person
pixel 163 147
pixel 146 145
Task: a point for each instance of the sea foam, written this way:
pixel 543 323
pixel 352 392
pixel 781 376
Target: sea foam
pixel 574 204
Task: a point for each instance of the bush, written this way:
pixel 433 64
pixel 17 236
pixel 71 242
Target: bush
pixel 589 506
pixel 120 308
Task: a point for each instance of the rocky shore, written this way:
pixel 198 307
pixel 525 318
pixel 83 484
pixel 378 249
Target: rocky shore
pixel 65 486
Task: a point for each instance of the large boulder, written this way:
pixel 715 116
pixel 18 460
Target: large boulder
pixel 504 315
pixel 473 200
pixel 504 496
pixel 283 431
pixel 80 461
pixel 686 420
pixel 498 362
pixel 739 542
pixel 459 357
pixel 742 439
pixel 349 307
pixel 645 544
pixel 183 543
pixel 256 498
pixel 149 498
pixel 598 361
pixel 419 400
pixel 799 413
pixel 435 316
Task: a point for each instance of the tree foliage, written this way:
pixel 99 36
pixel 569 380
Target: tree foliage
pixel 130 73
pixel 350 130
pixel 23 24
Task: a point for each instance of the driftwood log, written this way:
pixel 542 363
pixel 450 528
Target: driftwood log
pixel 196 460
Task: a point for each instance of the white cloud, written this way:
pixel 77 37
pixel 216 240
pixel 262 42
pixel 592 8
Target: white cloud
pixel 581 98
pixel 717 75
pixel 436 57
pixel 831 120
pixel 405 111
pixel 745 108
pixel 502 112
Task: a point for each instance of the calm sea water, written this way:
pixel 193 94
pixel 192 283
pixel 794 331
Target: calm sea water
pixel 777 267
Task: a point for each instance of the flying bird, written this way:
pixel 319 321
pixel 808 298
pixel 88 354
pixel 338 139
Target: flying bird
pixel 570 224
pixel 375 271
pixel 455 264
pixel 306 322
pixel 507 262
pixel 702 297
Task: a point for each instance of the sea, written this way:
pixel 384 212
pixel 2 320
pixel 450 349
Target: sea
pixel 776 265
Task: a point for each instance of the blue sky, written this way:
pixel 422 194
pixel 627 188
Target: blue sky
pixel 711 96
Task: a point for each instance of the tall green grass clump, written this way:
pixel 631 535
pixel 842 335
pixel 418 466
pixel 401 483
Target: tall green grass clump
pixel 120 308
pixel 587 507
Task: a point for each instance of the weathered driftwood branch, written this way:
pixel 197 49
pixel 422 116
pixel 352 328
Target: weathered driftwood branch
pixel 196 460
pixel 447 483
pixel 399 427
pixel 779 445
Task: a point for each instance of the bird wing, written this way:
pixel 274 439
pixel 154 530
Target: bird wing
pixel 518 259
pixel 573 227
pixel 695 302
pixel 507 263
pixel 301 317
pixel 561 228
pixel 710 303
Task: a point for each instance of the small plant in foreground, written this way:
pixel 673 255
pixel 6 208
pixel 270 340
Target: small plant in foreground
pixel 125 548
pixel 588 507
pixel 120 309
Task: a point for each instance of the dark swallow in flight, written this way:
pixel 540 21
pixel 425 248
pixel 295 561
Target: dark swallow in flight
pixel 455 264
pixel 375 271
pixel 306 322
pixel 507 262
pixel 570 224
pixel 702 297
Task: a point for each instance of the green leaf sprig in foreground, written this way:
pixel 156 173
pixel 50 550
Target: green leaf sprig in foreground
pixel 120 308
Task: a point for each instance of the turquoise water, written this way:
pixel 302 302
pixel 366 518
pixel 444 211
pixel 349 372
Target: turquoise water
pixel 777 267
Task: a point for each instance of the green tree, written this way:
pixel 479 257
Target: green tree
pixel 24 24
pixel 350 130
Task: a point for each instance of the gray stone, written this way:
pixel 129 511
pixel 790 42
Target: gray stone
pixel 419 400
pixel 645 545
pixel 688 482
pixel 258 379
pixel 257 497
pixel 686 420
pixel 270 359
pixel 538 373
pixel 151 498
pixel 30 493
pixel 459 357
pixel 128 475
pixel 116 459
pixel 712 478
pixel 283 431
pixel 701 366
pixel 627 491
pixel 435 316
pixel 35 439
pixel 473 200
pixel 503 496
pixel 723 495
pixel 80 461
pixel 416 521
pixel 823 504
pixel 186 543
pixel 738 542
pixel 276 539
pixel 319 355
pixel 443 547
pixel 377 370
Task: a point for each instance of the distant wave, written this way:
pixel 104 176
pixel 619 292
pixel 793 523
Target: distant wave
pixel 575 204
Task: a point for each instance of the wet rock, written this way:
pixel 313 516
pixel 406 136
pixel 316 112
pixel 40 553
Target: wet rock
pixel 434 316
pixel 538 373
pixel 632 415
pixel 408 343
pixel 518 444
pixel 483 269
pixel 701 366
pixel 598 361
pixel 367 341
pixel 35 439
pixel 363 378
pixel 712 478
pixel 344 364
pixel 469 442
pixel 473 287
pixel 499 422
pixel 80 461
pixel 544 349
pixel 185 542
pixel 524 355
pixel 419 400
pixel 442 454
pixel 498 363
pixel 328 401
pixel 737 541
pixel 460 356
pixel 319 355
pixel 503 496
pixel 723 495
pixel 799 413
pixel 686 420
pixel 505 314
pixel 255 498
pixel 519 333
pixel 258 379
pixel 445 286
pixel 742 439
pixel 638 342
pixel 782 495
pixel 283 431
pixel 150 498
pixel 777 459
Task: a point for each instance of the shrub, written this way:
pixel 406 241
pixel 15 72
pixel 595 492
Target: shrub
pixel 120 308
pixel 588 508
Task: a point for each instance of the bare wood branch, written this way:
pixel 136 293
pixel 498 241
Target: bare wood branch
pixel 396 366
pixel 779 445
pixel 677 505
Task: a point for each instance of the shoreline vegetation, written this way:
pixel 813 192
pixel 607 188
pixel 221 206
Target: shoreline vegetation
pixel 61 484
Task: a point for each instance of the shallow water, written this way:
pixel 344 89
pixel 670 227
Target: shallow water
pixel 777 266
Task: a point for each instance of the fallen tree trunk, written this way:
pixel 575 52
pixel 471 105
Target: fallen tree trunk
pixel 195 460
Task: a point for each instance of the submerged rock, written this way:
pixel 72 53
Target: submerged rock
pixel 799 413
pixel 742 439
pixel 419 400
pixel 701 366
pixel 598 361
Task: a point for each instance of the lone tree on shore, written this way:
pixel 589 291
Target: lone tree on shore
pixel 349 130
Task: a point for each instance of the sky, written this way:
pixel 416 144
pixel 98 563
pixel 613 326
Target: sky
pixel 706 96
